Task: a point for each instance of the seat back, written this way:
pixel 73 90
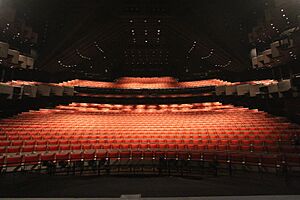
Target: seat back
pixel 23 61
pixel 4 49
pixel 15 56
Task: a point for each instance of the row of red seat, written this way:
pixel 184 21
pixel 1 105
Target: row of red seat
pixel 201 147
pixel 145 83
pixel 199 128
pixel 243 159
pixel 211 141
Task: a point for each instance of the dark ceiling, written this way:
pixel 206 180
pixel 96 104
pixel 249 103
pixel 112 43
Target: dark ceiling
pixel 143 37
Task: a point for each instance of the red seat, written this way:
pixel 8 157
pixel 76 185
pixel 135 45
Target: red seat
pixel 40 148
pixel 48 158
pixel 32 160
pixel 148 155
pixel 76 147
pixel 137 155
pixel 197 156
pixel 125 155
pixel 183 155
pixel 76 157
pixel 89 156
pixel 53 148
pixel 14 161
pixel 201 147
pixel 28 149
pixel 115 146
pixel 171 155
pixel 144 146
pixel 247 142
pixel 2 150
pixel 63 157
pixel 259 149
pixel 184 146
pixel 257 142
pixel 53 142
pixel 222 147
pixel 86 147
pixel 14 136
pixel 153 146
pixel 64 142
pixel 4 143
pixel 211 147
pixel 124 146
pixel 172 146
pixel 30 143
pixel 190 147
pixel 245 148
pixel 13 149
pixel 41 143
pixel 224 142
pixel 234 142
pixel 65 148
pixel 74 142
pixel 101 155
pixel 113 154
pixel 106 146
pixel 162 146
pixel 17 143
pixel 234 147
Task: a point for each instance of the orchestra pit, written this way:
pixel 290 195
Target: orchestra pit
pixel 150 99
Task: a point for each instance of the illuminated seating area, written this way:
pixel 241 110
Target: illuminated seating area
pixel 149 99
pixel 138 135
pixel 204 83
pixel 164 87
pixel 86 83
pixel 168 87
pixel 165 83
pixel 146 83
pixel 250 88
pixel 20 89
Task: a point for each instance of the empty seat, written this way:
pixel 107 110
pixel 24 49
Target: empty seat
pixel 74 157
pixel 32 160
pixel 14 161
pixel 62 157
pixel 48 158
pixel 89 156
pixel 27 149
pixel 14 56
pixel 203 134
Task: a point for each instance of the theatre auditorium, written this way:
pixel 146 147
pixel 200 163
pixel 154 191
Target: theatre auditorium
pixel 138 99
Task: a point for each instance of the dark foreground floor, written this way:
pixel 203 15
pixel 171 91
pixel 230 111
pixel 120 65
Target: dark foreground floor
pixel 22 185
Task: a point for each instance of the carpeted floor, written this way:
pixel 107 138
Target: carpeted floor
pixel 22 185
